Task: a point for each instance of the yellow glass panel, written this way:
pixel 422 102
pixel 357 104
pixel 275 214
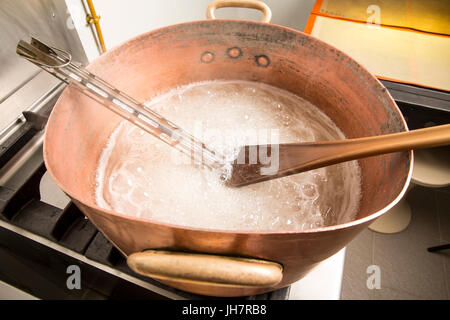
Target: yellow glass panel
pixel 402 55
pixel 424 15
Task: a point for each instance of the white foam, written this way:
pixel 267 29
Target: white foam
pixel 137 174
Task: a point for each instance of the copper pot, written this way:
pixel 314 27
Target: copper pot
pixel 214 262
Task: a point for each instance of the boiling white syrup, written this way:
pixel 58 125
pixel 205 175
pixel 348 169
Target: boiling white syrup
pixel 142 177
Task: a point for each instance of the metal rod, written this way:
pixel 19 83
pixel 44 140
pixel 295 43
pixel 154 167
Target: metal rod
pixel 59 63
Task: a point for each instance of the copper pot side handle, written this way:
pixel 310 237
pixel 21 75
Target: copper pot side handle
pixel 206 269
pixel 253 4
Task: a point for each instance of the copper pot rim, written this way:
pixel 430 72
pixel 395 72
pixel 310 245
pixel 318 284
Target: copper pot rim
pixel 341 226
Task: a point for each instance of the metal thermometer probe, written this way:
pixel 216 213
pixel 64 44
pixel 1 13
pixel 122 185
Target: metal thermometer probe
pixel 59 63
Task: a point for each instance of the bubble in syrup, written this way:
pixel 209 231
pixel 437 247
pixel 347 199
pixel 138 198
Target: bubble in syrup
pixel 118 183
pixel 309 191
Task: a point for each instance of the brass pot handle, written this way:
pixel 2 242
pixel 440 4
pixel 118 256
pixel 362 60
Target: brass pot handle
pixel 205 268
pixel 254 4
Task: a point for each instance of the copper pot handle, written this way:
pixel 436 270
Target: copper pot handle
pixel 206 268
pixel 254 4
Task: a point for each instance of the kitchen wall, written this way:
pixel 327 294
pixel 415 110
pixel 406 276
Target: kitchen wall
pixel 122 20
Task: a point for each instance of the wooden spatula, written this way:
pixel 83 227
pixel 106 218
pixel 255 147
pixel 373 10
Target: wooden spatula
pixel 294 158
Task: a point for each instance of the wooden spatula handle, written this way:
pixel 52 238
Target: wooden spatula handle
pixel 301 157
pixel 298 157
pixel 408 140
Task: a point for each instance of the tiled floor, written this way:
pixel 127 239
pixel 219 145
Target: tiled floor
pixel 407 269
